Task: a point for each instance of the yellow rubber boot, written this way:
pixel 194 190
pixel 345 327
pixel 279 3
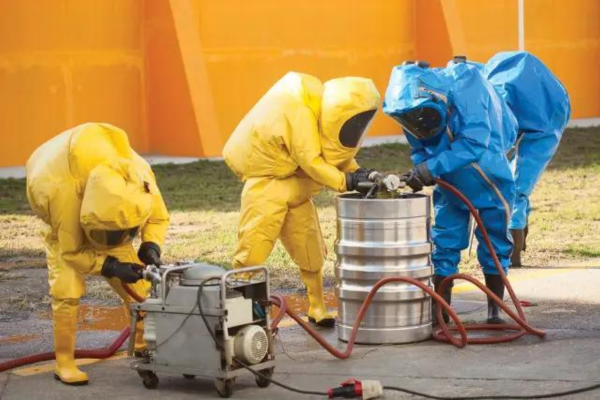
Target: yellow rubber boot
pixel 139 342
pixel 64 314
pixel 317 311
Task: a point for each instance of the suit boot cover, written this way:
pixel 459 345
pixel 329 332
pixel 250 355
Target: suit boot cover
pixel 64 315
pixel 140 349
pixel 518 236
pixel 447 296
pixel 317 311
pixel 496 285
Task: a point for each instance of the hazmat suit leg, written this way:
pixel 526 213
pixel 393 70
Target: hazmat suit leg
pixel 64 316
pixel 534 152
pixel 127 254
pixel 282 208
pixel 66 288
pixel 264 207
pixel 302 238
pixel 496 222
pixel 450 234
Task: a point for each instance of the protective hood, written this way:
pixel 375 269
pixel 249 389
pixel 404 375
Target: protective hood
pixel 108 142
pixel 307 88
pixel 116 202
pixel 538 100
pixel 349 105
pixel 417 98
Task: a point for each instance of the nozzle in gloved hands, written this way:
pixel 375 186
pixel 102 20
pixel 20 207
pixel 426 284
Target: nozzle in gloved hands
pixel 152 274
pixel 418 177
pixel 353 388
pixel 390 182
pixel 359 180
pixel 127 272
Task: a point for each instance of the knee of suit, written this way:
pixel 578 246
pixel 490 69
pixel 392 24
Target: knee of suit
pixel 445 262
pixel 307 250
pixel 57 303
pixel 65 282
pixel 251 253
pixel 312 263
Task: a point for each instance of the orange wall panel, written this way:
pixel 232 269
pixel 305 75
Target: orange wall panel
pixel 63 62
pixel 24 122
pixel 489 26
pixel 159 74
pixel 264 39
pixel 170 118
pixel 566 36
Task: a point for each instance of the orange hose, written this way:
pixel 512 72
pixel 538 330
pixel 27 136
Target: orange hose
pixel 132 293
pixel 444 333
pixel 522 326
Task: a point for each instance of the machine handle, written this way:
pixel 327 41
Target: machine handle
pixel 163 284
pixel 241 271
pixel 224 290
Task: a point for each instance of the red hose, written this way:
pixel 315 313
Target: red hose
pixel 95 353
pixel 522 326
pixel 445 333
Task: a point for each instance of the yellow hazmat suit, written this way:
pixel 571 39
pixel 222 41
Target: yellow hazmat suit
pixel 299 137
pixel 94 193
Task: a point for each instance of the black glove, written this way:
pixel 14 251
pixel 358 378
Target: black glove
pixel 418 177
pixel 149 254
pixel 127 272
pixel 353 179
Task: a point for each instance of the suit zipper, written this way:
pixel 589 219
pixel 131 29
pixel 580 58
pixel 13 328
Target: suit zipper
pixel 495 189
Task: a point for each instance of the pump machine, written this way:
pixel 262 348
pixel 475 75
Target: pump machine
pixel 189 300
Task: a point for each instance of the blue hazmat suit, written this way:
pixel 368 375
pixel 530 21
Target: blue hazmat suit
pixel 542 109
pixel 453 121
pixel 509 122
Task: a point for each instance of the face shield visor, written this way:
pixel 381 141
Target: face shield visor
pixel 113 238
pixel 422 122
pixel 353 131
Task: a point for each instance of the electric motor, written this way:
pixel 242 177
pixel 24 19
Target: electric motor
pixel 251 344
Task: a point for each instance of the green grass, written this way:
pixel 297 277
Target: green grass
pixel 203 198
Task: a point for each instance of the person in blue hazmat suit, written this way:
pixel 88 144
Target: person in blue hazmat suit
pixel 452 118
pixel 94 195
pixel 299 137
pixel 541 106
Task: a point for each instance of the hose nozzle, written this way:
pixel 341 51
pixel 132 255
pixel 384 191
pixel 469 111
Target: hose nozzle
pixel 390 182
pixel 152 274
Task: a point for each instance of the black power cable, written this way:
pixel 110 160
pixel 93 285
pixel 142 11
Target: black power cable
pixel 390 388
pixel 537 396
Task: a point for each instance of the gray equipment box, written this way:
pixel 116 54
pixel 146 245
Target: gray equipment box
pixel 177 338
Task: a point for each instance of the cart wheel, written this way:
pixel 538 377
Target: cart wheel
pixel 264 382
pixel 149 379
pixel 224 387
pixel 188 376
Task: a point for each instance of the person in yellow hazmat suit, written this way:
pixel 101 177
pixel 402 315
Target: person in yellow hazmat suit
pixel 94 194
pixel 299 137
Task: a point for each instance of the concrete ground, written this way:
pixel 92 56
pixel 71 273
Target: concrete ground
pixel 566 303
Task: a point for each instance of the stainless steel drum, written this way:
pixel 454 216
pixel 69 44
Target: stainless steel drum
pixel 380 238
